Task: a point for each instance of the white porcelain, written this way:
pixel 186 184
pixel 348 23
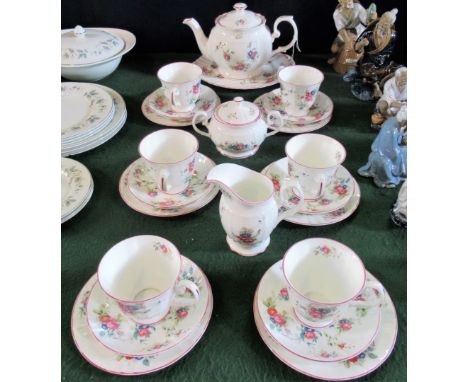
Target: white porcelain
pixel 364 363
pixel 77 187
pixel 161 115
pixel 237 127
pixel 240 43
pixel 142 274
pixel 97 70
pixel 181 84
pixel 96 139
pixel 313 159
pixel 299 88
pixel 320 110
pixel 170 157
pixel 279 170
pixel 145 188
pixel 117 332
pixel 202 165
pixel 324 277
pixel 104 359
pixel 84 108
pixel 267 76
pixel 353 332
pixel 248 209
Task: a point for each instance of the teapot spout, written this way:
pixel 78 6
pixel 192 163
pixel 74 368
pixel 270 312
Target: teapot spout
pixel 202 41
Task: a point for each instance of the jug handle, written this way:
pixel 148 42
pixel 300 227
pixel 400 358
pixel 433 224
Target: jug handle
pixel 291 198
pixel 271 117
pixel 276 33
pixel 204 121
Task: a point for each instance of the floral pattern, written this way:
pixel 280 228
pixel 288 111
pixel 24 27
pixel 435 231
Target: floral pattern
pixel 144 360
pixel 109 325
pixel 247 237
pixel 361 358
pixel 75 181
pixel 327 251
pixel 239 65
pixel 101 47
pixel 237 147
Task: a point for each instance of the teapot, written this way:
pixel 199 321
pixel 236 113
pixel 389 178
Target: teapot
pixel 237 127
pixel 248 208
pixel 240 42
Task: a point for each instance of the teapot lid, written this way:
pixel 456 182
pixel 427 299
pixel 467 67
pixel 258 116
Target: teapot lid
pixel 239 18
pixel 82 46
pixel 237 112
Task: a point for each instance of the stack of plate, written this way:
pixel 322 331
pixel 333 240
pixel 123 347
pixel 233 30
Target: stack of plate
pixel 91 115
pixel 77 188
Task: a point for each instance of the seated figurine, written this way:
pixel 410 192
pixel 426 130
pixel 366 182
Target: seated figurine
pixel 350 18
pixel 399 213
pixel 387 160
pixel 393 98
pixel 374 48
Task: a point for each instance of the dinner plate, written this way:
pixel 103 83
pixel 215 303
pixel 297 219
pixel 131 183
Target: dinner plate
pixel 76 184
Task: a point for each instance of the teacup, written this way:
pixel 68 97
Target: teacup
pixel 324 277
pixel 314 159
pixel 299 88
pixel 181 83
pixel 141 274
pixel 170 155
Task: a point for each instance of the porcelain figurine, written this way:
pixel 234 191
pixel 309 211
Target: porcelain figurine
pixel 374 49
pixel 387 161
pixel 240 42
pixel 393 98
pixel 350 19
pixel 248 208
pixel 399 213
pixel 237 128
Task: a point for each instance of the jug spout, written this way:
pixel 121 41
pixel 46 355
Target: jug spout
pixel 202 41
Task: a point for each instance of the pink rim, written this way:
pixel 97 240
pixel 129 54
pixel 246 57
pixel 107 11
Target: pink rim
pixel 179 340
pixel 384 358
pixel 146 299
pixel 256 301
pixel 179 83
pixel 322 135
pixel 319 302
pixel 157 368
pixel 299 85
pixel 179 161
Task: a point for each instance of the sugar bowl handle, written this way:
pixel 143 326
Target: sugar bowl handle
pixel 291 198
pixel 204 121
pixel 276 33
pixel 273 116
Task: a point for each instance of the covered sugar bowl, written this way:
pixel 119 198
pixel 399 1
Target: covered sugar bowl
pixel 237 127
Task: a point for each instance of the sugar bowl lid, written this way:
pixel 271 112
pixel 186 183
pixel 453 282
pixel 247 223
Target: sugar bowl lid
pixel 82 46
pixel 240 18
pixel 237 112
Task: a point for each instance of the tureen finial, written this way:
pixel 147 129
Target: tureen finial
pixel 79 31
pixel 240 6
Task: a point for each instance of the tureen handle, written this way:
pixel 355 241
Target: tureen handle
pixel 276 33
pixel 273 116
pixel 291 198
pixel 204 121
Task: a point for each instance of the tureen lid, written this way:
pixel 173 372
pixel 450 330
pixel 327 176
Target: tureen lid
pixel 239 18
pixel 86 46
pixel 237 112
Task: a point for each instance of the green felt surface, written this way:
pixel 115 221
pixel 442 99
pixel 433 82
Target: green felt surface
pixel 231 349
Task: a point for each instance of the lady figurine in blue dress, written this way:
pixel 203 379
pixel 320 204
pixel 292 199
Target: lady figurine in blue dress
pixel 387 161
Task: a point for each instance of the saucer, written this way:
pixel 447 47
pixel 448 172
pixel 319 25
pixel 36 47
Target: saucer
pixel 346 338
pixel 320 110
pixel 267 77
pixel 364 363
pixel 77 187
pixel 121 334
pixel 139 206
pixel 337 193
pixel 209 101
pixel 104 359
pixel 142 185
pixel 321 219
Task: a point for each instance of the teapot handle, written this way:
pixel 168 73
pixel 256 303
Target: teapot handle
pixel 272 116
pixel 291 198
pixel 276 33
pixel 204 121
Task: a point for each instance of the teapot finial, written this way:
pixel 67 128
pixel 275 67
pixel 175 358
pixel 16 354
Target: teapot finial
pixel 240 6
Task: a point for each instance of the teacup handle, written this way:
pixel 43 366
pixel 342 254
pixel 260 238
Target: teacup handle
pixel 377 299
pixel 276 33
pixel 204 121
pixel 182 285
pixel 162 178
pixel 174 95
pixel 272 116
pixel 291 198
